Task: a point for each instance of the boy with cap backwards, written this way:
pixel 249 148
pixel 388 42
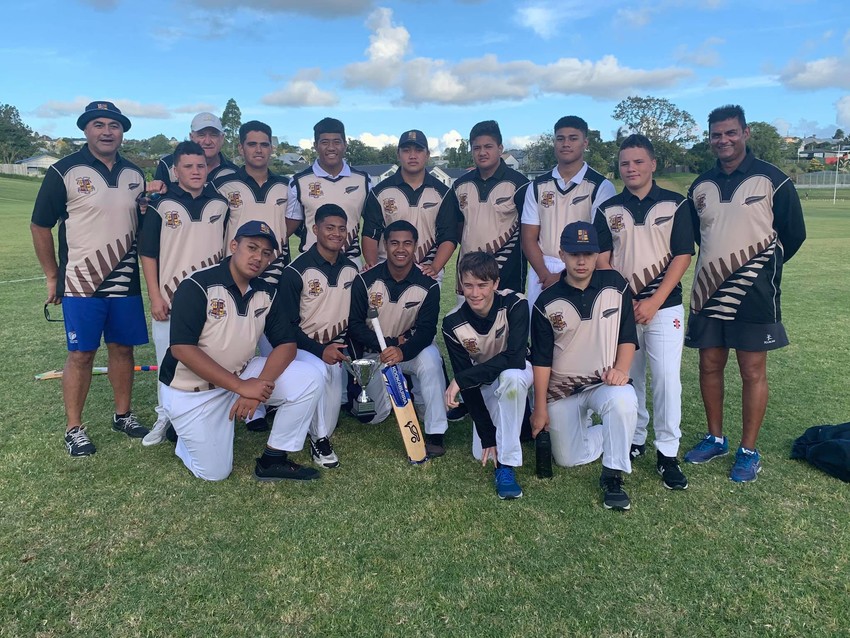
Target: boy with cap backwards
pixel 208 131
pixel 93 195
pixel 212 376
pixel 583 340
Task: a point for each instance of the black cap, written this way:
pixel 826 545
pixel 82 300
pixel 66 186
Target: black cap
pixel 413 136
pixel 102 108
pixel 579 237
pixel 257 229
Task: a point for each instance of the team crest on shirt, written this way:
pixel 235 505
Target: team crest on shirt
pixel 557 321
pixel 217 309
pixel 84 185
pixel 471 345
pixel 547 199
pixel 172 219
pixel 376 299
pixel 389 205
pixel 616 223
pixel 315 190
pixel 234 198
pixel 314 288
pixel 462 200
pixel 700 202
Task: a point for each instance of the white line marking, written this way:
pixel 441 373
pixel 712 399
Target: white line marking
pixel 14 281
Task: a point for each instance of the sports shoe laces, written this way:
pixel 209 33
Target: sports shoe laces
pixel 79 436
pixel 747 459
pixel 706 444
pixel 613 483
pixel 129 421
pixel 504 476
pixel 323 446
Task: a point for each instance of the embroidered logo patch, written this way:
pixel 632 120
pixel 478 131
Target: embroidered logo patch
pixel 234 199
pixel 471 346
pixel 547 199
pixel 557 321
pixel 314 288
pixel 376 299
pixel 172 219
pixel 84 185
pixel 217 309
pixel 315 190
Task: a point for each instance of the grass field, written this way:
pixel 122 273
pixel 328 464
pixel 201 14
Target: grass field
pixel 126 543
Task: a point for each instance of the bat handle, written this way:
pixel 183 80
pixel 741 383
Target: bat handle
pixel 379 333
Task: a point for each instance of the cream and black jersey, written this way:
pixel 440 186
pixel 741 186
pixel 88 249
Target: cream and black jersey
pixel 576 332
pixel 481 348
pixel 314 187
pixel 552 206
pixel 98 222
pixel 249 201
pixel 209 311
pixel 408 308
pixel 316 295
pixel 747 225
pixel 184 234
pixel 431 208
pixel 165 169
pixel 491 210
pixel 644 235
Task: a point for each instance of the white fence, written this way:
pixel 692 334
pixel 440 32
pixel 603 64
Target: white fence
pixel 13 169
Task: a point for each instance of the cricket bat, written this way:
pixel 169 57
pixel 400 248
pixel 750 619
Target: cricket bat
pixel 405 414
pixel 57 374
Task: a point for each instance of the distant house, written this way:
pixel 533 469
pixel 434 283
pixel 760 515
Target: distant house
pixel 291 159
pixel 378 172
pixel 447 175
pixel 38 164
pixel 515 158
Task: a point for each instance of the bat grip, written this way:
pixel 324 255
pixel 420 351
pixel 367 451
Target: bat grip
pixel 379 333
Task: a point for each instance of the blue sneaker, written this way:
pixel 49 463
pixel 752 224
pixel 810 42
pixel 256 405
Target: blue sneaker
pixel 747 466
pixel 506 485
pixel 707 449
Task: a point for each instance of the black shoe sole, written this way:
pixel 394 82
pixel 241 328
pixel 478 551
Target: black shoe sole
pixel 275 479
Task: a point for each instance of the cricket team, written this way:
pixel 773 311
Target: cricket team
pixel 244 331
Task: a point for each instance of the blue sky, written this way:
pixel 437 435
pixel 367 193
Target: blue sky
pixel 384 67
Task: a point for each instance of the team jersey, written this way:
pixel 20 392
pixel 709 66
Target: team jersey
pixel 406 308
pixel 747 225
pixel 481 348
pixel 644 235
pixel 313 187
pixel 576 332
pixel 552 203
pixel 317 296
pixel 209 311
pixel 98 221
pixel 249 201
pixel 431 208
pixel 184 234
pixel 165 169
pixel 491 210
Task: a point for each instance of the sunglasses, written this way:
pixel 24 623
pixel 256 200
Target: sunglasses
pixel 47 315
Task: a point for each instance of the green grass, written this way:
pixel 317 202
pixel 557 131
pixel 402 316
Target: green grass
pixel 126 543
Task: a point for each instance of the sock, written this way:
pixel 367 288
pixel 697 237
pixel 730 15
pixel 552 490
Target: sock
pixel 122 416
pixel 271 456
pixel 718 439
pixel 747 450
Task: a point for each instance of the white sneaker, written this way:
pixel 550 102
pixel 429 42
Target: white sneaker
pixel 157 433
pixel 323 453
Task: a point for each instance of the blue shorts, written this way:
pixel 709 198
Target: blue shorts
pixel 120 320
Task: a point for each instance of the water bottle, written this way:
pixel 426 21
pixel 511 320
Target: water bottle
pixel 543 454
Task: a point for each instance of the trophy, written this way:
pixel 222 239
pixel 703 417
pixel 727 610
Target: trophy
pixel 362 369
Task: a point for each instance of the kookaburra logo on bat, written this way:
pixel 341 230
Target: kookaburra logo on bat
pixel 415 436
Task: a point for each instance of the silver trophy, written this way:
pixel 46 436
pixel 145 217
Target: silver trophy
pixel 362 370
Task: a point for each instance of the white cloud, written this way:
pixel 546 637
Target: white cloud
pixel 302 90
pixel 521 141
pixel 130 108
pixel 540 18
pixel 379 140
pixel 704 54
pixel 387 46
pixel 842 112
pixel 830 72
pixel 305 143
pixel 200 107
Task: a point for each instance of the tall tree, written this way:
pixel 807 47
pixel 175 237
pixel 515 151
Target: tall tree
pixel 17 141
pixel 765 142
pixel 669 128
pixel 459 157
pixel 231 120
pixel 360 154
pixel 839 134
pixel 540 154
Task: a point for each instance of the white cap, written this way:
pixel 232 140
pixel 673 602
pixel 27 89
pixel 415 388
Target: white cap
pixel 206 120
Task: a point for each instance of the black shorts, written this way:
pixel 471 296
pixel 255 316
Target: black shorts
pixel 705 332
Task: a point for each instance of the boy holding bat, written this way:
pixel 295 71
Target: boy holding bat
pixel 487 341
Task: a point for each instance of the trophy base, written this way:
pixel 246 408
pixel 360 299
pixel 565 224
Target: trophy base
pixel 363 411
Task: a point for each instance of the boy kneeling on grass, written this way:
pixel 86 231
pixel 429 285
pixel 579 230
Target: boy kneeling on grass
pixel 583 339
pixel 210 372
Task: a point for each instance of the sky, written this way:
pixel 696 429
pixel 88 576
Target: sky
pixel 386 67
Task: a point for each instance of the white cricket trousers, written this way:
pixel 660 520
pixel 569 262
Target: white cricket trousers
pixel 205 431
pixel 426 368
pixel 533 287
pixel 661 342
pixel 505 401
pixel 160 330
pixel 576 443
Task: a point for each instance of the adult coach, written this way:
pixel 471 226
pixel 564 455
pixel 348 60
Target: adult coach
pixel 571 192
pixel 414 195
pixel 748 222
pixel 645 234
pixel 92 195
pixel 206 130
pixel 329 180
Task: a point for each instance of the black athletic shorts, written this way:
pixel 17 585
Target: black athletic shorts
pixel 705 332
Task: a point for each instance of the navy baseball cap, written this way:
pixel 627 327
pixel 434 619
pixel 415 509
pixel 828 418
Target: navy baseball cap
pixel 413 136
pixel 579 237
pixel 102 108
pixel 257 229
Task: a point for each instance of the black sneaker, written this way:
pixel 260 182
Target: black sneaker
pixel 670 472
pixel 171 434
pixel 456 414
pixel 323 453
pixel 615 497
pixel 637 451
pixel 285 470
pixel 129 425
pixel 258 425
pixel 434 445
pixel 78 443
